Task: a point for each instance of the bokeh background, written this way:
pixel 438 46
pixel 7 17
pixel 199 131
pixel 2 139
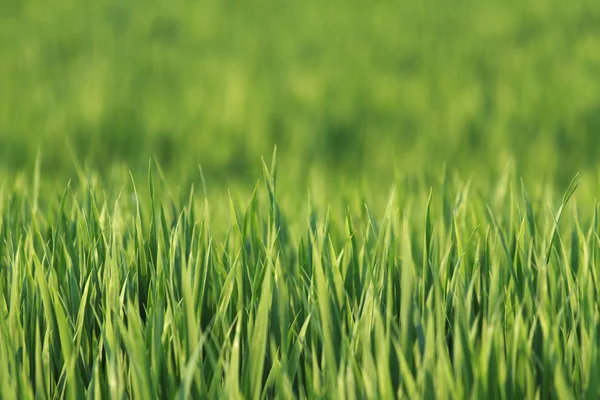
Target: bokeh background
pixel 345 89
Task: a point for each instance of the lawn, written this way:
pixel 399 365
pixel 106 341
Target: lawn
pixel 213 199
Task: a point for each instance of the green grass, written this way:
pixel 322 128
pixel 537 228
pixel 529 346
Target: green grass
pixel 444 294
pixel 423 235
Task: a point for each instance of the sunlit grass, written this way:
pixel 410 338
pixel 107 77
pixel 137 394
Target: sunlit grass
pixel 443 295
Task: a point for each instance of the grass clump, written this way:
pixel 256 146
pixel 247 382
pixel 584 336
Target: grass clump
pixel 444 295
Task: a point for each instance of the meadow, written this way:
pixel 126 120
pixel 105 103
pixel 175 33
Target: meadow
pixel 213 199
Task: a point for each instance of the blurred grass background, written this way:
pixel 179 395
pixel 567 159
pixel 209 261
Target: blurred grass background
pixel 345 89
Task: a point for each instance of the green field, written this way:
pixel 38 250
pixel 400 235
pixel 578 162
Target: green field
pixel 260 199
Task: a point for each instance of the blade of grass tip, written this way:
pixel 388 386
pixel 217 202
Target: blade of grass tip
pixel 226 293
pixel 446 203
pixel 36 181
pixel 76 164
pixel 203 266
pixel 42 284
pixel 428 224
pixel 189 222
pixel 335 275
pixel 427 273
pixel 465 248
pixel 138 216
pixel 509 259
pixel 153 239
pixel 165 231
pixel 79 324
pixel 503 240
pixel 274 164
pixel 270 184
pixel 164 184
pixel 352 273
pixel 575 246
pixel 160 171
pixel 205 193
pixel 567 196
pixel 235 220
pixel 406 295
pixel 528 211
pixel 300 344
pixel 143 269
pixel 59 223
